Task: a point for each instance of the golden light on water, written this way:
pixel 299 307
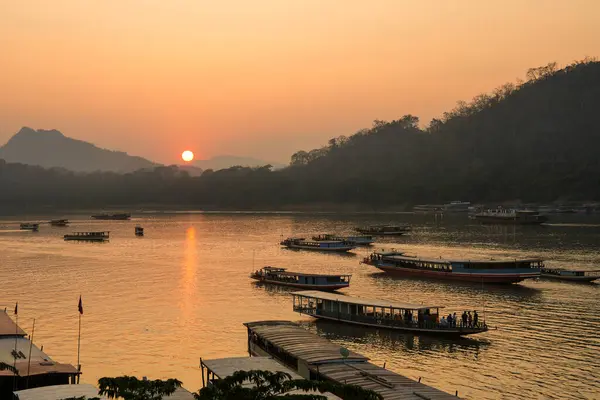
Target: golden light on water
pixel 187 156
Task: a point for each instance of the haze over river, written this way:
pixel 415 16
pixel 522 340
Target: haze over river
pixel 154 305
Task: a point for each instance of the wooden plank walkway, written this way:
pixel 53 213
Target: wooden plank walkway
pixel 324 358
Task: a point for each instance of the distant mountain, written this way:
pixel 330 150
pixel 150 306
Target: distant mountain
pixel 190 169
pixel 50 148
pixel 225 161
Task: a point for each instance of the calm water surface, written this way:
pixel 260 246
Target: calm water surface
pixel 155 305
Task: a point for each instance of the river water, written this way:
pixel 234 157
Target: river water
pixel 154 305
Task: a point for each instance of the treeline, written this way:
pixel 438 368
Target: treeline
pixel 534 140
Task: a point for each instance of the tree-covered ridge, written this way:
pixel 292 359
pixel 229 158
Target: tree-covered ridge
pixel 534 140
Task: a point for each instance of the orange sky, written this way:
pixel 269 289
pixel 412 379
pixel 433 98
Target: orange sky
pixel 264 78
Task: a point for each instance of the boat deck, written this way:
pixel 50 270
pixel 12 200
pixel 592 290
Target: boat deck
pixel 323 358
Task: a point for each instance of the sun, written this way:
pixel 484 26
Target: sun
pixel 187 156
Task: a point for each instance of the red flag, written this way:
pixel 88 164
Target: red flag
pixel 80 306
pixel 16 308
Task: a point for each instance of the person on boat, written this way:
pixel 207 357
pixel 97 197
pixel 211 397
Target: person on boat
pixel 475 318
pixel 470 319
pixel 454 320
pixel 449 319
pixel 444 321
pixel 464 319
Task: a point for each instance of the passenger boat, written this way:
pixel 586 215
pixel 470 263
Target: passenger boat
pixel 329 245
pixel 570 275
pixel 59 222
pixel 280 276
pixel 88 236
pixel 510 216
pixel 362 240
pixel 384 230
pixel 29 226
pixel 457 206
pixel 482 271
pixel 417 318
pixel 105 216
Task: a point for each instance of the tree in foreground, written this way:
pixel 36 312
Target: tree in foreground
pixel 132 388
pixel 277 385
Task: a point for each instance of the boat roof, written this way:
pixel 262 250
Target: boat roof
pixel 40 364
pixel 283 271
pixel 57 392
pixel 400 256
pixel 224 367
pixel 8 326
pixel 301 343
pixel 316 294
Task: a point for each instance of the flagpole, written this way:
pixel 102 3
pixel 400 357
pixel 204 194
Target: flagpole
pixel 80 308
pixel 16 338
pixel 30 347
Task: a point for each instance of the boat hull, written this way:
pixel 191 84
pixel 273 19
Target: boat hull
pixel 339 249
pixel 489 220
pixel 80 239
pixel 570 278
pixel 114 217
pixel 331 287
pixel 456 276
pixel 449 332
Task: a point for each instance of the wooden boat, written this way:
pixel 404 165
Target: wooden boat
pixel 570 275
pixel 510 216
pixel 330 245
pixel 481 271
pixel 362 240
pixel 88 236
pixel 407 317
pixel 29 226
pixel 59 222
pixel 105 216
pixel 280 276
pixel 384 230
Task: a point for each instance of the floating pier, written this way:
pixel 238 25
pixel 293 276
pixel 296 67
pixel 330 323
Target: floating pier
pixel 314 357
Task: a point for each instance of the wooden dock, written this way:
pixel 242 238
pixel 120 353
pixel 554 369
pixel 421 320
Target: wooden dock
pixel 314 357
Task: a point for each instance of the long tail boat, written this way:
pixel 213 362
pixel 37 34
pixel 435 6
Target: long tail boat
pixel 280 276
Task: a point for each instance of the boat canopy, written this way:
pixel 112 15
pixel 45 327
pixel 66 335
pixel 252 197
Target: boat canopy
pixel 401 257
pixel 283 271
pixel 315 294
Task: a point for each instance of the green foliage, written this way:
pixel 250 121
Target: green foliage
pixel 131 388
pixel 533 140
pixel 277 385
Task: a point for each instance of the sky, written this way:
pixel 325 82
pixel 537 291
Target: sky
pixel 265 78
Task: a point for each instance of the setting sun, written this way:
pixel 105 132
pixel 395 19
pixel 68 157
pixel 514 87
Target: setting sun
pixel 187 156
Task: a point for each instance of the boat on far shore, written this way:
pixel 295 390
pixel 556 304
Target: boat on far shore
pixel 384 230
pixel 280 276
pixel 510 216
pixel 29 226
pixel 361 240
pixel 88 236
pixel 117 216
pixel 570 275
pixel 59 222
pixel 329 245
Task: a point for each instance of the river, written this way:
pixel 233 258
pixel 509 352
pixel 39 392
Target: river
pixel 154 305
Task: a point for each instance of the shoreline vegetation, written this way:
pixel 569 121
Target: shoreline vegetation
pixel 530 141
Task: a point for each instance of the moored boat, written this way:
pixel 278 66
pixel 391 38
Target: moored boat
pixel 106 216
pixel 570 275
pixel 59 222
pixel 329 245
pixel 361 240
pixel 383 230
pixel 482 271
pixel 416 318
pixel 280 276
pixel 510 216
pixel 29 226
pixel 88 236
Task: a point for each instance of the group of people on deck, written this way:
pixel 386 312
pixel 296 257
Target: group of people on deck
pixel 468 320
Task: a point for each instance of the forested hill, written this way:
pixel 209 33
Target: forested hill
pixel 532 141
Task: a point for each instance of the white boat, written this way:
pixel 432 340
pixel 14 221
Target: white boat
pixel 570 275
pixel 330 245
pixel 280 276
pixel 361 240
